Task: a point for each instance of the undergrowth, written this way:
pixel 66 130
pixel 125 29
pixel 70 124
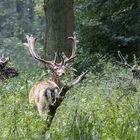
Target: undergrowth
pixel 105 106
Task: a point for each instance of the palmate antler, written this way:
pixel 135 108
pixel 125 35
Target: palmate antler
pixel 65 61
pixel 31 45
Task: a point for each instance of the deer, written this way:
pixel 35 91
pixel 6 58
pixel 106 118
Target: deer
pixel 5 71
pixel 135 71
pixel 51 93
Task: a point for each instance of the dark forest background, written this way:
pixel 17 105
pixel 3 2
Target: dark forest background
pixel 103 27
pixel 106 104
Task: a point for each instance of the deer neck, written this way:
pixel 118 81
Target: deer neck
pixel 57 80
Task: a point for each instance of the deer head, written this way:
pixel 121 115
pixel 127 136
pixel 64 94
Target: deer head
pixel 135 71
pixel 6 72
pixel 58 69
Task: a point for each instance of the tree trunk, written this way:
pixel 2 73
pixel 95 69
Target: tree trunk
pixel 59 26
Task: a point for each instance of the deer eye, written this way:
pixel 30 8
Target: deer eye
pixel 63 67
pixel 56 68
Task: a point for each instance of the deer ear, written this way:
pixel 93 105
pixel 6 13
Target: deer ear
pixel 35 39
pixel 50 66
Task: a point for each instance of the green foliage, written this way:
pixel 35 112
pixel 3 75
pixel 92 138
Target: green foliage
pixel 19 53
pixel 102 107
pixel 18 18
pixel 106 26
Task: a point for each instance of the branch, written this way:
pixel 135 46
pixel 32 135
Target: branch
pixel 123 61
pixel 68 86
pixel 65 88
pixel 52 108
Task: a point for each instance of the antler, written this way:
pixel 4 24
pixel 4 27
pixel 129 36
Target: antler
pixel 31 45
pixel 123 60
pixel 58 69
pixel 65 59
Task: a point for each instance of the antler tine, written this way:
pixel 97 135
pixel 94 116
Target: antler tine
pixel 66 59
pixel 124 60
pixel 74 44
pixel 31 45
pixel 55 57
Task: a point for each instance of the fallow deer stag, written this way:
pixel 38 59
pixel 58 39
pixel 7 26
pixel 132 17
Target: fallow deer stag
pixel 5 71
pixel 52 92
pixel 135 71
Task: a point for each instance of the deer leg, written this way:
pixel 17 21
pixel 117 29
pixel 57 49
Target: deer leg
pixel 41 104
pixel 56 95
pixel 41 110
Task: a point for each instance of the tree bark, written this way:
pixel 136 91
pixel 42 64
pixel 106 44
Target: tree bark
pixel 59 26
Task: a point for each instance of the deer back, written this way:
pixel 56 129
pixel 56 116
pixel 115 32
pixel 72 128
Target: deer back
pixel 42 91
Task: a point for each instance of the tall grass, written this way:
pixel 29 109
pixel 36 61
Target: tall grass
pixel 105 106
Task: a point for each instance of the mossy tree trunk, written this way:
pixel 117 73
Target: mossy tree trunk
pixel 59 26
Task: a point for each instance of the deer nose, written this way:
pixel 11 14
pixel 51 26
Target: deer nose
pixel 63 73
pixel 60 72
